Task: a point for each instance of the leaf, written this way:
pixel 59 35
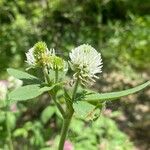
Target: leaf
pixel 20 132
pixel 28 92
pixel 114 95
pixel 84 110
pixel 25 92
pixel 47 113
pixel 27 78
pixel 46 88
pixel 19 74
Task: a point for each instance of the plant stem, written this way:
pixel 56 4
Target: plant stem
pixel 67 118
pixel 45 72
pixel 66 123
pixel 56 75
pixel 58 106
pixel 9 133
pixel 75 89
pixel 47 79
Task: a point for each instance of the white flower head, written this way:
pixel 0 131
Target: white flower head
pixel 86 61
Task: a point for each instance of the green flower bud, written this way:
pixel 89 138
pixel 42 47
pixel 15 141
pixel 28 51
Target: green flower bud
pixel 57 63
pixel 40 48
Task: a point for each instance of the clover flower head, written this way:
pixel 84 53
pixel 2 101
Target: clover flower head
pixel 86 62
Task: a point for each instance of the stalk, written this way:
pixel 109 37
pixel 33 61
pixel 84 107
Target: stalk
pixel 66 123
pixel 75 89
pixel 67 118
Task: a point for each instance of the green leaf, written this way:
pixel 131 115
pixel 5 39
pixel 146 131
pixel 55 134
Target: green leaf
pixel 27 78
pixel 20 132
pixel 20 74
pixel 48 88
pixel 28 92
pixel 25 92
pixel 93 97
pixel 84 110
pixel 47 113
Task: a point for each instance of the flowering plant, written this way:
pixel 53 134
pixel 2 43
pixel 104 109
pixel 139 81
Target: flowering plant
pixel 70 95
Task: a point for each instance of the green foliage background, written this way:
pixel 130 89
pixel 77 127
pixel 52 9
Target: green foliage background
pixel 119 29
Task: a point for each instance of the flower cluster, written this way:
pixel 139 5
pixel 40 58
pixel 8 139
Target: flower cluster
pixel 40 56
pixel 85 61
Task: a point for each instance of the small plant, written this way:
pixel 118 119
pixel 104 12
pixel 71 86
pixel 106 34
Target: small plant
pixel 70 95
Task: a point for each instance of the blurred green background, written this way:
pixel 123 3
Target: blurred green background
pixel 119 29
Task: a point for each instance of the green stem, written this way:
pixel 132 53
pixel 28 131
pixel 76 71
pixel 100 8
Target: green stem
pixel 66 123
pixel 67 118
pixel 56 75
pixel 47 79
pixel 75 89
pixel 9 133
pixel 59 106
